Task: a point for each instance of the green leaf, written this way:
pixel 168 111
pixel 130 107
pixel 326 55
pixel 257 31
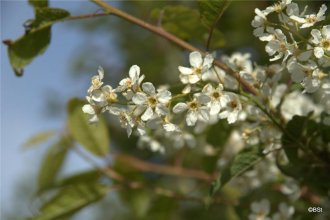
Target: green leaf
pixel 35 41
pixel 45 17
pixel 90 176
pixel 210 10
pixel 52 164
pixel 38 138
pixel 38 3
pixel 184 22
pixel 218 133
pixel 242 162
pixel 69 200
pixel 93 137
pixel 304 140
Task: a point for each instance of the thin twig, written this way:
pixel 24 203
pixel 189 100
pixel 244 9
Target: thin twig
pixel 164 169
pixel 166 35
pixel 94 15
pixel 108 171
pixel 215 23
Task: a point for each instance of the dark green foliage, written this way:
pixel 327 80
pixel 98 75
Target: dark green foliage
pixel 89 176
pixel 184 22
pixel 306 140
pixel 210 10
pixel 218 134
pixel 36 39
pixel 69 200
pixel 93 137
pixel 52 164
pixel 242 162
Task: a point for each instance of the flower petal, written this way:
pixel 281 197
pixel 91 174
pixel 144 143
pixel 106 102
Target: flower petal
pixel 164 96
pixel 148 88
pixel 185 70
pixel 100 72
pixel 191 118
pixel 195 59
pixel 318 52
pixel 139 98
pixel 134 72
pixel 180 107
pixel 208 60
pixel 147 114
pixel 88 109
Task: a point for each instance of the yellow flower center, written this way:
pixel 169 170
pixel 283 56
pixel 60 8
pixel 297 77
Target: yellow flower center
pixel 152 101
pixel 193 105
pixel 325 43
pixel 215 95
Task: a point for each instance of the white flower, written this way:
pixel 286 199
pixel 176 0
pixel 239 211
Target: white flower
pixel 310 20
pixel 195 111
pixel 291 189
pixel 260 210
pixel 285 212
pixel 325 97
pixel 182 139
pixel 232 109
pixel 298 104
pixel 277 44
pixel 308 75
pixel 131 84
pixel 153 144
pixel 92 109
pixel 239 62
pixel 105 95
pixel 170 127
pixel 149 102
pixel 278 7
pixel 218 99
pixel 125 119
pixel 259 22
pixel 322 41
pixel 96 80
pixel 199 66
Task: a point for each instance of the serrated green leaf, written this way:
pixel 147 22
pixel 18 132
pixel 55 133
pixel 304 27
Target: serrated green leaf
pixel 38 138
pixel 52 164
pixel 35 41
pixel 242 162
pixel 210 10
pixel 93 137
pixel 184 22
pixel 69 200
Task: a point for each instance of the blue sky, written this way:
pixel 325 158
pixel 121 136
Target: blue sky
pixel 23 99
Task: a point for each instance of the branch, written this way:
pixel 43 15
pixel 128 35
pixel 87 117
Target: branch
pixel 164 169
pixel 94 15
pixel 166 35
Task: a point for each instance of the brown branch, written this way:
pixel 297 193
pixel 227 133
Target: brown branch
pixel 166 35
pixel 164 169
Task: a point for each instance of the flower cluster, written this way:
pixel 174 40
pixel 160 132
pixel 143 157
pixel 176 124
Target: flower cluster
pixel 260 211
pixel 299 39
pixel 150 112
pixel 297 83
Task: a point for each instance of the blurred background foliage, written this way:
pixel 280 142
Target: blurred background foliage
pixel 116 45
